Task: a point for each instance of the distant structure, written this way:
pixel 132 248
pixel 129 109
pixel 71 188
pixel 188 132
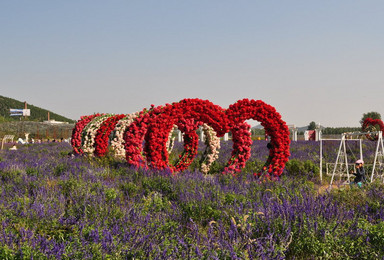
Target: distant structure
pixel 53 121
pixel 293 132
pixel 313 135
pixel 309 135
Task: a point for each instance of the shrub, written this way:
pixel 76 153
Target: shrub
pixel 297 167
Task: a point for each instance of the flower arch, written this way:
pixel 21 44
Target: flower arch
pixel 103 133
pixel 138 132
pixel 369 126
pixel 117 142
pixel 194 112
pixel 89 133
pixel 212 151
pixel 76 139
pixel 134 135
pixel 274 126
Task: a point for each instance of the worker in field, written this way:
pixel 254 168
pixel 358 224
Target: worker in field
pixel 359 173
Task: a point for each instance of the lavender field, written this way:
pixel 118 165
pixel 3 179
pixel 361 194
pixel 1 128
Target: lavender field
pixel 54 206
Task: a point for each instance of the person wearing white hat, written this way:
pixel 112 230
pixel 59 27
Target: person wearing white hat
pixel 360 173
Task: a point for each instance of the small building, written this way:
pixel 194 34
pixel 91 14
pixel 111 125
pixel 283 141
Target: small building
pixel 54 122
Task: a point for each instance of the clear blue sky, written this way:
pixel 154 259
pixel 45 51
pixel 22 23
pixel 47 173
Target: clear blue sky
pixel 319 61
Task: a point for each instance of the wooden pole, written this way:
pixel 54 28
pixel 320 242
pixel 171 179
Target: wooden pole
pixel 321 160
pixel 25 107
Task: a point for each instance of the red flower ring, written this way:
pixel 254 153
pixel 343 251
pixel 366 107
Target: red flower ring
pixel 191 143
pixel 88 134
pixel 187 110
pixel 274 126
pixel 241 151
pixel 103 133
pixel 77 130
pixel 136 133
pixel 369 125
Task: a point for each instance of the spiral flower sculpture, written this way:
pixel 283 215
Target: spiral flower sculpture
pixel 125 134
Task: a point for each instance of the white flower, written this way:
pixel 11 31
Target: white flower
pixel 118 142
pixel 89 133
pixel 171 140
pixel 212 151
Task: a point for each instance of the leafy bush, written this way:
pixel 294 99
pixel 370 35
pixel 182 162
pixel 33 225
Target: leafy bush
pixel 297 167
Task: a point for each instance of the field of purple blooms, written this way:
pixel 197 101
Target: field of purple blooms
pixel 54 206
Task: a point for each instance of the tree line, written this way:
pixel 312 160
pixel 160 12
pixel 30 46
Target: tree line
pixel 339 130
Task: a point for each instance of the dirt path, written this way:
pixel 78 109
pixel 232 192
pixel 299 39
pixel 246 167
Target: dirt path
pixel 324 188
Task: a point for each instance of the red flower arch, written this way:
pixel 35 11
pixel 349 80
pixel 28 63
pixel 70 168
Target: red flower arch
pixel 138 132
pixel 195 111
pixel 103 133
pixel 77 131
pixel 369 126
pixel 274 126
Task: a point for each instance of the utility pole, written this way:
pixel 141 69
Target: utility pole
pixel 25 107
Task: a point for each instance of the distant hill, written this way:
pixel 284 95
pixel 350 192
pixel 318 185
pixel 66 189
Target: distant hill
pixel 37 114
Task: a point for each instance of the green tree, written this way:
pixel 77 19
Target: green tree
pixel 373 115
pixel 312 126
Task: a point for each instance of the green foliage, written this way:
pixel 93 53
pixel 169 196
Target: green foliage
pixel 155 202
pixel 60 169
pixel 202 212
pixel 339 130
pixel 372 114
pixel 31 171
pixel 375 234
pixel 129 188
pixel 6 252
pixel 160 184
pixel 232 198
pixel 216 168
pixel 12 175
pixel 110 194
pixel 297 167
pixel 69 186
pixel 312 126
pixel 253 166
pixel 256 131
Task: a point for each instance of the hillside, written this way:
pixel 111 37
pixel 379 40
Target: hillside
pixel 37 113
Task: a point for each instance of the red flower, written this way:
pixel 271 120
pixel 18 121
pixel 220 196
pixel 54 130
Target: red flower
pixel 103 133
pixel 77 132
pixel 369 126
pixel 154 125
